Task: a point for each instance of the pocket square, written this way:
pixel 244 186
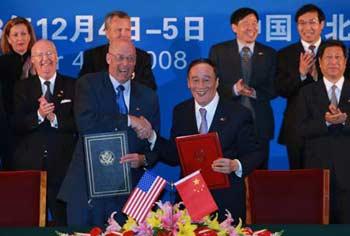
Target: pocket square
pixel 66 101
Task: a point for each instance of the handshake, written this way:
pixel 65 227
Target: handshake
pixel 142 127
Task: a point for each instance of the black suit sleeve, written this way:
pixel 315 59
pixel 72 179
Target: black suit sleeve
pixel 88 64
pixel 166 148
pixel 143 70
pixel 249 153
pixel 25 111
pixel 4 134
pixel 309 124
pixel 224 89
pixel 288 81
pixel 266 91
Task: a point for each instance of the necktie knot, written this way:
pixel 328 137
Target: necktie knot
pixel 312 49
pixel 203 128
pixel 245 54
pixel 120 88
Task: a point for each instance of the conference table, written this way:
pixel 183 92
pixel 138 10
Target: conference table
pixel 292 230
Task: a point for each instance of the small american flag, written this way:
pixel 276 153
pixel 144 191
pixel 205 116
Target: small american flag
pixel 143 196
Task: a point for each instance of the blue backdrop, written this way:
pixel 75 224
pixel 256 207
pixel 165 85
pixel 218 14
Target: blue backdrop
pixel 174 33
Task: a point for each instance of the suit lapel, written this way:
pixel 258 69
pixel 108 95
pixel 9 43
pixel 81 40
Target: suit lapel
pixel 220 118
pixel 321 93
pixel 234 59
pixel 108 91
pixel 36 91
pixel 345 95
pixel 257 60
pixel 134 105
pixel 300 48
pixel 190 122
pixel 58 91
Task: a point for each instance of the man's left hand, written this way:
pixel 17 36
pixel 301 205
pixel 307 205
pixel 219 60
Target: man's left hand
pixel 136 160
pixel 225 165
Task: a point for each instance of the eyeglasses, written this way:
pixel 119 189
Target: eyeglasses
pixel 312 22
pixel 41 55
pixel 120 58
pixel 246 24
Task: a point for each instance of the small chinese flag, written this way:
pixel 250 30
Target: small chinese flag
pixel 196 196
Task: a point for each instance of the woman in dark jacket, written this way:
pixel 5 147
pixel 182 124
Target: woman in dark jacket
pixel 17 40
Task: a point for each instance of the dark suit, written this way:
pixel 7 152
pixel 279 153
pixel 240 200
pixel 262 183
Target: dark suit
pixel 4 133
pixel 227 58
pixel 40 146
pixel 96 111
pixel 234 124
pixel 95 61
pixel 11 67
pixel 327 147
pixel 288 84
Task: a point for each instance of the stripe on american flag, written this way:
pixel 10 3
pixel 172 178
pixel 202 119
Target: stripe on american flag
pixel 143 196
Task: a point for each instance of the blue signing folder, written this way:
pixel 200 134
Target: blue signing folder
pixel 106 176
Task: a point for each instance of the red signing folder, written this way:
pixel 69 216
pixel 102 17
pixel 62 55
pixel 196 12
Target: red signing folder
pixel 197 152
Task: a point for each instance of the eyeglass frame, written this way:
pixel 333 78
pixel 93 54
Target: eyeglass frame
pixel 120 58
pixel 311 22
pixel 41 55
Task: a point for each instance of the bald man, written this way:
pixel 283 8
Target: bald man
pixel 44 123
pixel 97 111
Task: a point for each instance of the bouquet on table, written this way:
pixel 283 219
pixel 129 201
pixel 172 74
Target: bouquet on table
pixel 172 220
pixel 190 218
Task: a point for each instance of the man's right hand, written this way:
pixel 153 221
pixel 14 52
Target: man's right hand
pixel 45 108
pixel 142 127
pixel 243 89
pixel 307 60
pixel 335 115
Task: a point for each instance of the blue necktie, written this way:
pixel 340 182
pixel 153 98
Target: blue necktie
pixel 121 101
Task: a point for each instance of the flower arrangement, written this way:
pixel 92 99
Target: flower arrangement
pixel 172 220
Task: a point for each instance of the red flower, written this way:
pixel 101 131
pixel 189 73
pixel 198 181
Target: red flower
pixel 165 233
pixel 128 233
pixel 205 231
pixel 247 231
pixel 263 232
pixel 96 231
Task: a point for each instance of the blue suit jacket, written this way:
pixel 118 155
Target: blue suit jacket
pixel 96 111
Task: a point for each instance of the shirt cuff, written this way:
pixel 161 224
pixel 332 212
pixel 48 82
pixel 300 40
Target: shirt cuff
pixel 54 123
pixel 235 91
pixel 40 118
pixel 254 94
pixel 303 77
pixel 239 171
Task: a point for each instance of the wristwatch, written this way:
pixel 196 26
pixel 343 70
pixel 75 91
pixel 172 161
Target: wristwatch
pixel 145 162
